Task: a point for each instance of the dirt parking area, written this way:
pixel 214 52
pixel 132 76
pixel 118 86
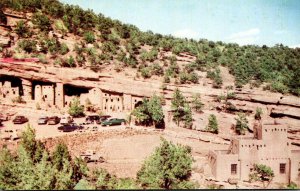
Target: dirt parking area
pixel 124 148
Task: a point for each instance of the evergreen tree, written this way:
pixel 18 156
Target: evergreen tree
pixel 197 105
pixel 60 154
pixel 212 124
pixel 177 102
pixel 8 173
pixel 263 174
pixel 76 110
pixel 169 167
pixel 150 112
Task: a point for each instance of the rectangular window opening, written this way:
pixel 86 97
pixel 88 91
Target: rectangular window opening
pixel 233 168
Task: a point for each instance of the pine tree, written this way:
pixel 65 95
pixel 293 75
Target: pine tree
pixel 197 105
pixel 76 110
pixel 167 168
pixel 212 124
pixel 177 105
pixel 8 176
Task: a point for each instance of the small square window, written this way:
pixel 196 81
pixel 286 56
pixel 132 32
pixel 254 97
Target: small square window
pixel 282 168
pixel 233 168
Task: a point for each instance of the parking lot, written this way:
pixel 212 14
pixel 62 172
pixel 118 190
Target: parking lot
pixel 47 131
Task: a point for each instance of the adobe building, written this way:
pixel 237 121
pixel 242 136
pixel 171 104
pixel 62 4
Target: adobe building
pixel 269 146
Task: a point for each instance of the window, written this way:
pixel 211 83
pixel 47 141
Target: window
pixel 282 168
pixel 233 168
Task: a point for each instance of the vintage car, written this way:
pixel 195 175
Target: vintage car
pixel 92 118
pixel 91 156
pixel 66 119
pixel 20 119
pixel 70 127
pixel 43 120
pixel 113 121
pixel 53 120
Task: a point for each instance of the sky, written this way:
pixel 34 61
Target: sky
pixel 259 22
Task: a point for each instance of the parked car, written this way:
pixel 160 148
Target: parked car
pixel 43 120
pixel 113 121
pixel 53 120
pixel 20 119
pixel 103 118
pixel 11 134
pixel 66 119
pixel 4 117
pixel 69 127
pixel 91 156
pixel 92 118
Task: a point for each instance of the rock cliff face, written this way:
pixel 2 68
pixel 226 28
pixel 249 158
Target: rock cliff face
pixel 279 105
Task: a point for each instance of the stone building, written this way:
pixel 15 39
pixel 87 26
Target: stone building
pixel 269 146
pixel 61 95
pixel 7 90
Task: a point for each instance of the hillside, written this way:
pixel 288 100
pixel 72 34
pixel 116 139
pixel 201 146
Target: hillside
pixel 68 36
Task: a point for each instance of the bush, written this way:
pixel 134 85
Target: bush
pixel 258 113
pixel 188 77
pixel 63 49
pixel 71 62
pixel 146 72
pixel 241 124
pixel 60 26
pixel 42 21
pixel 89 37
pixel 28 45
pixel 212 124
pixel 167 79
pixel 76 110
pixel 197 105
pixel 22 29
pixel 156 69
pixel 215 75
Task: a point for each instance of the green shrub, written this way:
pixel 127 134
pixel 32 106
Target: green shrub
pixel 215 75
pixel 258 113
pixel 197 105
pixel 42 21
pixel 167 79
pixel 212 124
pixel 63 49
pixel 60 26
pixel 89 37
pixel 76 110
pixel 156 69
pixel 191 77
pixel 28 46
pixel 71 61
pixel 241 124
pixel 22 29
pixel 146 72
